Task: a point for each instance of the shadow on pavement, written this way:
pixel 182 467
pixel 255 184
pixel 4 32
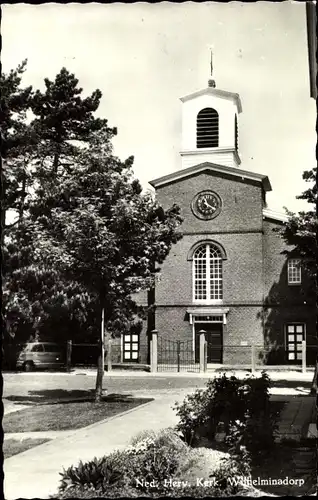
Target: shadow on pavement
pixel 292 384
pixel 63 396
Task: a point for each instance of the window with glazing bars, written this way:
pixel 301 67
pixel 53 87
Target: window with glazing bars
pixel 207 128
pixel 207 273
pixel 294 271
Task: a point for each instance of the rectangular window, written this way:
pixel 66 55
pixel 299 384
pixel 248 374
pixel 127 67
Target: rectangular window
pixel 130 347
pixel 294 271
pixel 295 334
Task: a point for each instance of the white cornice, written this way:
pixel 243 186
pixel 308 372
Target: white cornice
pixel 271 214
pixel 206 151
pixel 208 310
pixel 213 167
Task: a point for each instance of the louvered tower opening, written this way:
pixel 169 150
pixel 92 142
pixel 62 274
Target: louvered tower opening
pixel 236 134
pixel 207 128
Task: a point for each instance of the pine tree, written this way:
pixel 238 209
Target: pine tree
pixel 17 141
pixel 63 120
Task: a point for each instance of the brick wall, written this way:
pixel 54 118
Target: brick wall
pixel 241 200
pixel 254 271
pixel 242 270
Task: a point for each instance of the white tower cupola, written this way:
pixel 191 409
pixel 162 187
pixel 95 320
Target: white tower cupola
pixel 210 127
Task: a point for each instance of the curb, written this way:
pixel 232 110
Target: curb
pixel 109 419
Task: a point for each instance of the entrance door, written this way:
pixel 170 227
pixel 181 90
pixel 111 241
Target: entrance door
pixel 131 347
pixel 295 334
pixel 214 338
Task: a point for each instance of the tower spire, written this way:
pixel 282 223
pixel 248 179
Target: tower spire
pixel 211 82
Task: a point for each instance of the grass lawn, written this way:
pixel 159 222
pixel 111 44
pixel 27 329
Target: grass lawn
pixel 14 446
pixel 68 415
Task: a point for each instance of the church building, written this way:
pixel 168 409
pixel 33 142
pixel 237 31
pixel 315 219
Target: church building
pixel 227 275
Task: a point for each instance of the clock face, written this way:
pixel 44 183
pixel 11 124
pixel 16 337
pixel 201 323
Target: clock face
pixel 206 205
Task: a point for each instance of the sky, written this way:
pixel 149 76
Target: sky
pixel 144 57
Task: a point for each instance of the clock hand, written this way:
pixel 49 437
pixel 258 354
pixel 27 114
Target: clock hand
pixel 209 205
pixel 206 203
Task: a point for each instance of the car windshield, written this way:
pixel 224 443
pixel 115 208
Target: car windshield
pixel 28 347
pixel 37 348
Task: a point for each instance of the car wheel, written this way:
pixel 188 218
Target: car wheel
pixel 28 366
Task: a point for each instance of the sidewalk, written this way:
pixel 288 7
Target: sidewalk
pixel 274 374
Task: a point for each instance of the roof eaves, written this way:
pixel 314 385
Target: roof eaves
pixel 217 92
pixel 180 174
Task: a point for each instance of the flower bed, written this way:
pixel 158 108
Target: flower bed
pixel 154 465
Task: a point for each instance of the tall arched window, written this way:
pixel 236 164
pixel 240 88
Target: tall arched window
pixel 207 128
pixel 207 273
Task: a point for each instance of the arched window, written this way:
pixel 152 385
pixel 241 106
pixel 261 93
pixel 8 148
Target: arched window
pixel 207 128
pixel 207 273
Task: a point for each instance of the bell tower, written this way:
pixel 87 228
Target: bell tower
pixel 210 127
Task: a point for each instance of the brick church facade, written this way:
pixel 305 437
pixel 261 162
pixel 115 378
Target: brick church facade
pixel 227 275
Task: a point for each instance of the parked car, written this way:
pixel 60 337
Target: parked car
pixel 40 355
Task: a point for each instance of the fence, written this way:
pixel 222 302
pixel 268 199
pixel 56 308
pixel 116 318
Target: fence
pixel 170 356
pixel 52 355
pixel 260 357
pixel 178 356
pixel 86 355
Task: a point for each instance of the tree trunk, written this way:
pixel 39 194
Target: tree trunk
pixel 313 389
pixel 55 164
pixel 100 363
pixel 23 196
pixel 3 208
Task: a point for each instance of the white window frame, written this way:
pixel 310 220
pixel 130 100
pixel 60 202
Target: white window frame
pixel 295 324
pixel 294 271
pixel 208 300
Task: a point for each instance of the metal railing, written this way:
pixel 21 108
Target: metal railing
pixel 176 356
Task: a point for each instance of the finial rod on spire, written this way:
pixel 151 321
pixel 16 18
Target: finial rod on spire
pixel 211 82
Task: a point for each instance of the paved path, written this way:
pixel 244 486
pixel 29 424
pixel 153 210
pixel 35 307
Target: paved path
pixel 296 416
pixel 35 472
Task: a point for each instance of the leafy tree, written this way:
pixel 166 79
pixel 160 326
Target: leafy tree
pixel 300 232
pixel 89 239
pixel 96 231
